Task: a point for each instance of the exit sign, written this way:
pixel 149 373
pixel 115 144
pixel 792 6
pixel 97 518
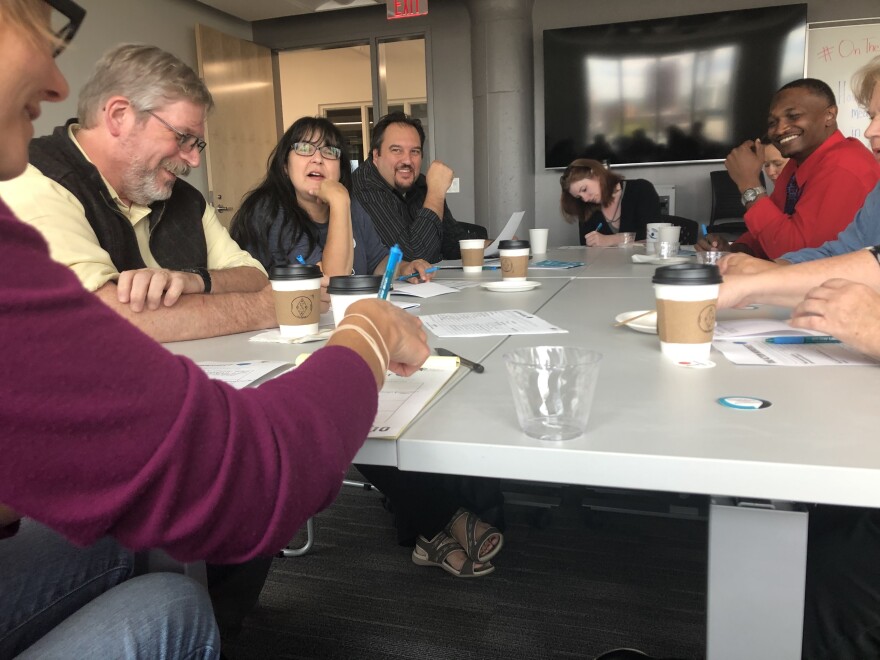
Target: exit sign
pixel 406 8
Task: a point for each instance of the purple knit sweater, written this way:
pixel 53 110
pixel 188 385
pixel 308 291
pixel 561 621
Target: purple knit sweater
pixel 104 432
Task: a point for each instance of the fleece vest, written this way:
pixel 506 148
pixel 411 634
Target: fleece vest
pixel 177 236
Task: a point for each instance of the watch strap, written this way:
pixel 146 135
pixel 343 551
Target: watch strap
pixel 203 273
pixel 875 250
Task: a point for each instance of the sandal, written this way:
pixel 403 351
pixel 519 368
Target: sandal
pixel 436 552
pixel 472 545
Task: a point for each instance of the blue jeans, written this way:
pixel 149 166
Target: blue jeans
pixel 57 600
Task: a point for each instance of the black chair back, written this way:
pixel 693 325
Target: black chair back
pixel 727 209
pixel 690 230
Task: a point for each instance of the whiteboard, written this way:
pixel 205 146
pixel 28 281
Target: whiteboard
pixel 834 54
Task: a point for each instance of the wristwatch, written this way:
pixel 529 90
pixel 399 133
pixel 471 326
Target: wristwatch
pixel 875 250
pixel 203 273
pixel 751 194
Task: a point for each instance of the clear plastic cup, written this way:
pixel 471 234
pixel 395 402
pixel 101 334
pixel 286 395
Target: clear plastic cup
pixel 553 389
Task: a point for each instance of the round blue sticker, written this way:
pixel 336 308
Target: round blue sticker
pixel 744 402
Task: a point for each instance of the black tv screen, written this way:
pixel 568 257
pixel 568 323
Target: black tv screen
pixel 687 88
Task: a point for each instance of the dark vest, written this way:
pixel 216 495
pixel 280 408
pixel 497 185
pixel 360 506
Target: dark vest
pixel 177 236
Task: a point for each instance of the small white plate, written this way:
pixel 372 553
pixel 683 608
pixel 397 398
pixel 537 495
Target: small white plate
pixel 646 324
pixel 516 285
pixel 668 261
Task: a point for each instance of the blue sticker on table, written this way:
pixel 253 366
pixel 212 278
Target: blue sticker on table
pixel 744 402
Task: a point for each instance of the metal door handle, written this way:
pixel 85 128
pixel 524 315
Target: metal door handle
pixel 223 209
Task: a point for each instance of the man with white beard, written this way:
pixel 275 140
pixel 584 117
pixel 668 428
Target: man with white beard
pixel 104 190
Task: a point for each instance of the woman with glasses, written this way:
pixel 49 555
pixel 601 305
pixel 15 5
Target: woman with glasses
pixel 604 205
pixel 111 442
pixel 302 212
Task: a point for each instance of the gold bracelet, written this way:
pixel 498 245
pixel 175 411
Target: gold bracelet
pixel 378 334
pixel 383 365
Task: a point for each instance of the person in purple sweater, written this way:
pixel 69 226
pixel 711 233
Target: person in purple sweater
pixel 112 442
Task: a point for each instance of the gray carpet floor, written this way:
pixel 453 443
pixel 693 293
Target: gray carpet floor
pixel 571 586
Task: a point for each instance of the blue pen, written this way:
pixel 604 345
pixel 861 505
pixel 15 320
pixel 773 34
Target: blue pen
pixel 404 278
pixel 394 257
pixel 802 340
pixel 598 227
pixel 300 259
pixel 704 230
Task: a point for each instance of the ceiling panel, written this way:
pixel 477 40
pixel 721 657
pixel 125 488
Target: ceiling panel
pixel 258 10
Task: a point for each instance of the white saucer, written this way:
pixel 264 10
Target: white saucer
pixel 646 324
pixel 668 261
pixel 516 285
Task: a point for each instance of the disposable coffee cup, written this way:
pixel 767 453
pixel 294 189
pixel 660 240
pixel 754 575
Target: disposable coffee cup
pixel 670 234
pixel 297 293
pixel 553 388
pixel 472 250
pixel 514 259
pixel 686 298
pixel 653 235
pixel 538 239
pixel 347 289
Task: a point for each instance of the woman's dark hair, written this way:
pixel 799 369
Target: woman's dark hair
pixel 276 195
pixel 574 208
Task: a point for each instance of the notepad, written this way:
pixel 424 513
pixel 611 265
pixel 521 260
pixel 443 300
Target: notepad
pixel 401 399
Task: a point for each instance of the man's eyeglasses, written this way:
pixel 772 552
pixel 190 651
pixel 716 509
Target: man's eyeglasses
pixel 185 141
pixel 307 149
pixel 66 17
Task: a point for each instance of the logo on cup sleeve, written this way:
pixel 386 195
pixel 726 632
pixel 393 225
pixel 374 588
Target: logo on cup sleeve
pixel 506 265
pixel 706 319
pixel 301 307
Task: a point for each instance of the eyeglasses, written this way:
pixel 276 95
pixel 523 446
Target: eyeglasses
pixel 65 20
pixel 307 149
pixel 185 141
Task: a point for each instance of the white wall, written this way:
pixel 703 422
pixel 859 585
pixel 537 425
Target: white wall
pixel 169 24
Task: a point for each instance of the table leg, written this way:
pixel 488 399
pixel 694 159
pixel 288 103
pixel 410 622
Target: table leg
pixel 757 571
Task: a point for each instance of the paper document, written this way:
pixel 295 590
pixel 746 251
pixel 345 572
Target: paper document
pixel 757 351
pixel 753 328
pixel 421 290
pixel 551 264
pixel 455 264
pixel 240 374
pixel 488 324
pixel 506 233
pixel 461 284
pixel 401 399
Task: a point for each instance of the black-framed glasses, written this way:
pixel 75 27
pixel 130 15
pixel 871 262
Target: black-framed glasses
pixel 307 149
pixel 65 19
pixel 186 142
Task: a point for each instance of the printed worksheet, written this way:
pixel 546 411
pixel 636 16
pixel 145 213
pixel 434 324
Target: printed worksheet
pixel 488 324
pixel 758 351
pixel 240 374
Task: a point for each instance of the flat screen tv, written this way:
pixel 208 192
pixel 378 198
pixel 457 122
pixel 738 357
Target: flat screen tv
pixel 681 89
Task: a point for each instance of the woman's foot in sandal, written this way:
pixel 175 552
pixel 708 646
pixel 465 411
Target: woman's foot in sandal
pixel 480 540
pixel 445 552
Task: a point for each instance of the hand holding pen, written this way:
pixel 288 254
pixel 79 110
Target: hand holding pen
pixel 418 273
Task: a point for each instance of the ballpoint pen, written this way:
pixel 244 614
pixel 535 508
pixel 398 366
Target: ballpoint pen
pixel 394 257
pixel 300 259
pixel 599 226
pixel 404 278
pixel 476 367
pixel 802 340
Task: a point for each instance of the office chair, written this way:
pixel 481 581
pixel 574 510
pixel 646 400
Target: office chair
pixel 690 230
pixel 310 526
pixel 727 211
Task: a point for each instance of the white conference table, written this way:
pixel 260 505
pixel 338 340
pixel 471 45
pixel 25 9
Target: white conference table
pixel 654 426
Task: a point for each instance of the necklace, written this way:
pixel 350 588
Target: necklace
pixel 614 219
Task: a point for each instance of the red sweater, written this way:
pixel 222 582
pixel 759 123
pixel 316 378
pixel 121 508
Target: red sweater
pixel 104 432
pixel 834 181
